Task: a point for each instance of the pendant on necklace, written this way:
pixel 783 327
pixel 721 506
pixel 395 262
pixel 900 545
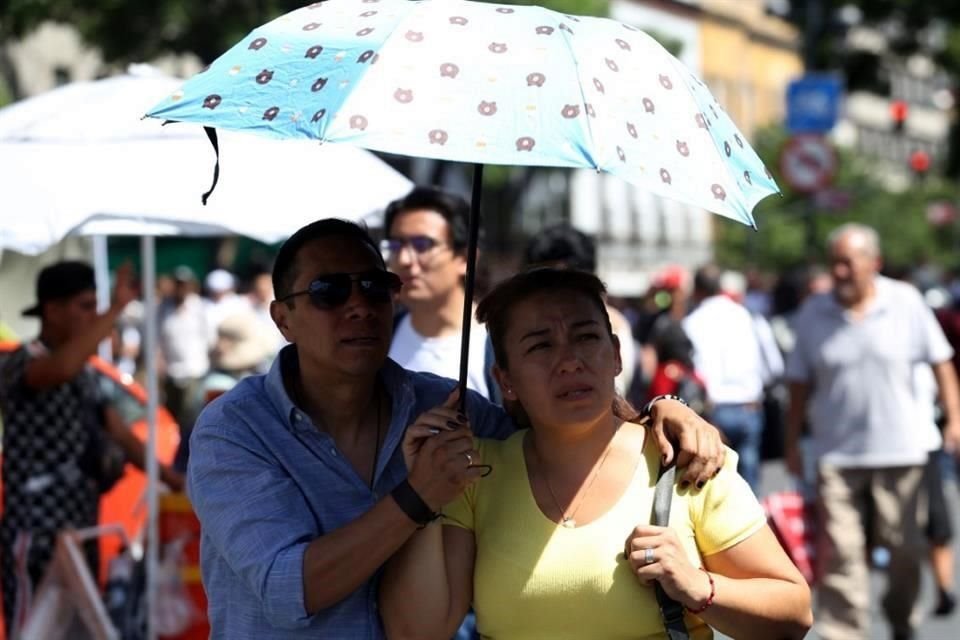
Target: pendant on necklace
pixel 569 523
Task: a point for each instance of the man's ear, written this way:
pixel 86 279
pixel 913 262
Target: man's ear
pixel 503 379
pixel 279 312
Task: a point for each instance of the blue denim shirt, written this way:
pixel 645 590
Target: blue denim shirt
pixel 265 482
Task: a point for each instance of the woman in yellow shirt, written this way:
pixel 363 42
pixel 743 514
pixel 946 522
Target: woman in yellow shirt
pixel 555 542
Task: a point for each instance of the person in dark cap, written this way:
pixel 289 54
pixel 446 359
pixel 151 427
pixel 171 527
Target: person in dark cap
pixel 58 429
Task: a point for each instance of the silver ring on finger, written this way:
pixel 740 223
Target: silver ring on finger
pixel 469 459
pixel 648 556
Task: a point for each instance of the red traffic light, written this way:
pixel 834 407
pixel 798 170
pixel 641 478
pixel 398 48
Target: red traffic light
pixel 899 109
pixel 920 162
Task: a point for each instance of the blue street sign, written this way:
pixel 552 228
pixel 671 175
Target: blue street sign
pixel 813 103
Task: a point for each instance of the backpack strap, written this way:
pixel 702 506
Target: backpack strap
pixel 671 611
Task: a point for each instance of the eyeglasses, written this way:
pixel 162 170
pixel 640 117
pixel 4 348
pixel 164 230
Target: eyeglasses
pixel 391 247
pixel 333 290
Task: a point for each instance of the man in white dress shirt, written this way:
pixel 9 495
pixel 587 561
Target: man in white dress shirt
pixel 727 355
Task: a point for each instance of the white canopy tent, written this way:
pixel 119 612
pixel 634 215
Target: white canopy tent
pixel 267 188
pixel 79 160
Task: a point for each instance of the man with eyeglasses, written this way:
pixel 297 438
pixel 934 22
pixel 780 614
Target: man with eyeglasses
pixel 425 244
pixel 298 477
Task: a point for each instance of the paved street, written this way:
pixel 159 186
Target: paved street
pixel 775 478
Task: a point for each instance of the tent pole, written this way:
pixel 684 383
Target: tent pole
pixel 149 266
pixel 101 271
pixel 469 280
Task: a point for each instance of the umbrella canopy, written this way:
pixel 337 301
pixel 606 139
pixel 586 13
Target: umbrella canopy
pixel 483 83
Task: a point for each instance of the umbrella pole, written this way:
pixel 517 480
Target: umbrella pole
pixel 472 240
pixel 148 260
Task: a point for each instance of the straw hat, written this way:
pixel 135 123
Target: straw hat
pixel 242 343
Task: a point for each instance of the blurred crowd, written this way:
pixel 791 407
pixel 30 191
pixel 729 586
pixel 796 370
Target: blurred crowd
pixel 213 330
pixel 727 342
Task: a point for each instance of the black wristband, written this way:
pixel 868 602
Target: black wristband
pixel 412 504
pixel 647 408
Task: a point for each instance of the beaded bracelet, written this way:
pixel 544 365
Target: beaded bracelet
pixel 648 408
pixel 713 592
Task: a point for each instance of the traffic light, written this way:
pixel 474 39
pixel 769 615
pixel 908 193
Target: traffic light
pixel 899 110
pixel 920 163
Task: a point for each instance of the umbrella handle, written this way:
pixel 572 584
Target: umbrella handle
pixel 469 279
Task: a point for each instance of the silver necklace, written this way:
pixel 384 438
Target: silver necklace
pixel 569 521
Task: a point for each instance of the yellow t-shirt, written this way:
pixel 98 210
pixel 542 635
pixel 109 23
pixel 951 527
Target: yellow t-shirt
pixel 536 579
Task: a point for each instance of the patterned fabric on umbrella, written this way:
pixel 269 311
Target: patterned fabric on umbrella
pixel 483 83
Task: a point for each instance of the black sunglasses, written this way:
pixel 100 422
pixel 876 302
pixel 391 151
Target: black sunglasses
pixel 332 290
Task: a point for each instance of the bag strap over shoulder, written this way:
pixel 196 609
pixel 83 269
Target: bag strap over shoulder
pixel 671 611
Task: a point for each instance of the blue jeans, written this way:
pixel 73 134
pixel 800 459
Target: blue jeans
pixel 742 425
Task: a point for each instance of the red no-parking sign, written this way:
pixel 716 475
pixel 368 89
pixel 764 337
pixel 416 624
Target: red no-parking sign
pixel 808 163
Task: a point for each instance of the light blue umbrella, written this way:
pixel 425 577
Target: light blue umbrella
pixel 486 84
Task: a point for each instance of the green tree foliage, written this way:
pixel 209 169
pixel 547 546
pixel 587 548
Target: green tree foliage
pixel 906 23
pixel 5 97
pixel 128 31
pixel 899 217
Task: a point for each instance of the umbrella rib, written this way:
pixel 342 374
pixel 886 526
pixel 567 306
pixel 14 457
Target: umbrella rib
pixel 417 9
pixel 683 72
pixel 583 97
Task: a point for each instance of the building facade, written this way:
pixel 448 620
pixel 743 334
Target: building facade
pixel 868 126
pixel 747 57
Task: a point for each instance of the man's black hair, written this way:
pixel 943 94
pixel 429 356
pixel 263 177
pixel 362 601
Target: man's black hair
pixel 285 265
pixel 562 244
pixel 707 280
pixel 454 209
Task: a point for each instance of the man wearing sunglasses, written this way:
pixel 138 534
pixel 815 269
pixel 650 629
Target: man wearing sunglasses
pixel 298 477
pixel 426 244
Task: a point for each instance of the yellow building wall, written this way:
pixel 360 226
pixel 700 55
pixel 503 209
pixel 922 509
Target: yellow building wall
pixel 748 60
